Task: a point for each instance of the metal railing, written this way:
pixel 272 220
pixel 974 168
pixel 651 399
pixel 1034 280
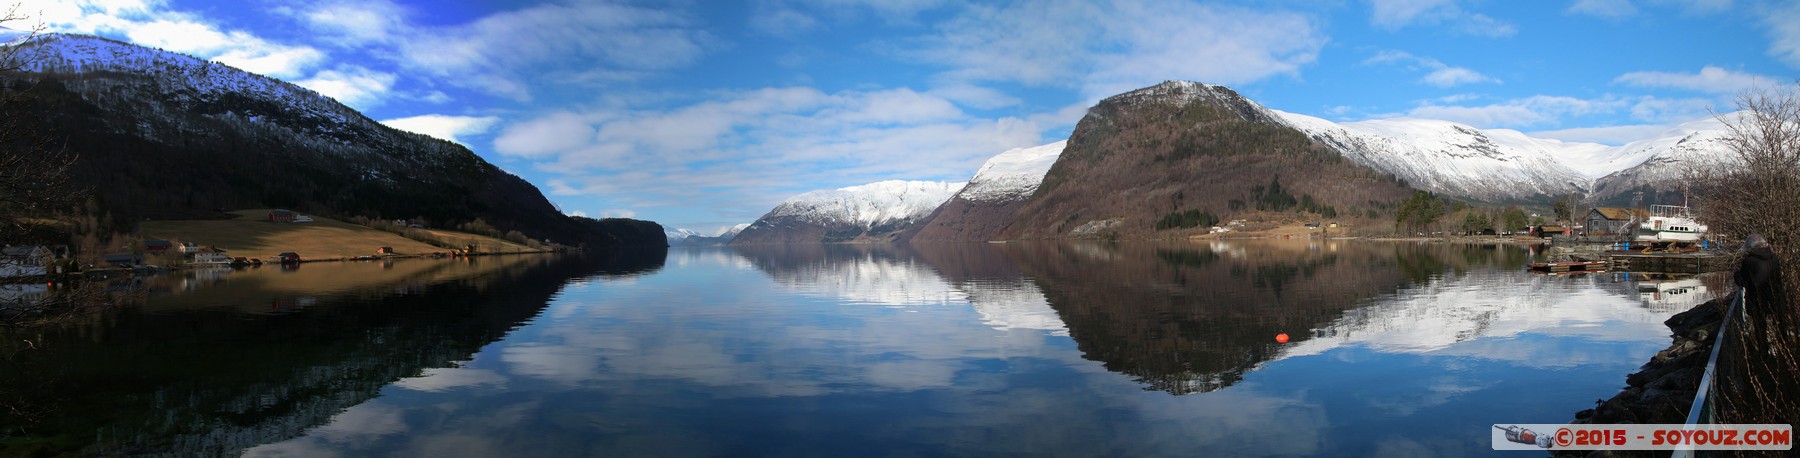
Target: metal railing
pixel 1702 410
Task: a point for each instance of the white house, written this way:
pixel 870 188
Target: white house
pixel 25 261
pixel 211 257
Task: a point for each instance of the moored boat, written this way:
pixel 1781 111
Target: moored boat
pixel 1670 222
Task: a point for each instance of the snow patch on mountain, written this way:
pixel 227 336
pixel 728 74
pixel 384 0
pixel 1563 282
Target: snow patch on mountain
pixel 1666 157
pixel 679 234
pixel 728 232
pixel 1503 164
pixel 177 74
pixel 1450 158
pixel 1012 175
pixel 868 206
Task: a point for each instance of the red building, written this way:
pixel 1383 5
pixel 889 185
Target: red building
pixel 281 216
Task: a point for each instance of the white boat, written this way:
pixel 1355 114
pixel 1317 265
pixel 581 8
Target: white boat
pixel 1670 223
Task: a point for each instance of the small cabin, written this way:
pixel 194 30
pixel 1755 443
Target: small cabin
pixel 1614 220
pixel 188 248
pixel 157 246
pixel 122 259
pixel 288 258
pixel 384 251
pixel 281 216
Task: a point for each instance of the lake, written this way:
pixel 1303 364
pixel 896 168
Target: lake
pixel 1083 349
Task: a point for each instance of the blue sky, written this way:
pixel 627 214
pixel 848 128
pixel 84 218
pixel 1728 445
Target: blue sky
pixel 701 114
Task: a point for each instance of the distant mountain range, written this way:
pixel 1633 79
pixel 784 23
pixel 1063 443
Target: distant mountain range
pixel 1156 162
pixel 165 135
pixel 689 237
pixel 1507 166
pixel 875 212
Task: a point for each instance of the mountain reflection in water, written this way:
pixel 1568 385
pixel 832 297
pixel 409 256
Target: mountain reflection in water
pixel 1020 348
pixel 218 361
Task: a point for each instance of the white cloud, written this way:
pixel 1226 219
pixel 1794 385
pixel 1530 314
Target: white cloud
pixel 506 52
pixel 1398 14
pixel 577 213
pixel 1604 8
pixel 617 213
pixel 974 96
pixel 1654 109
pixel 1437 73
pixel 1529 111
pixel 1104 50
pixel 1783 24
pixel 151 24
pixel 1709 79
pixel 500 52
pixel 1394 14
pixel 358 87
pixel 356 22
pixel 553 133
pixel 446 127
pixel 782 22
pixel 740 152
pixel 1455 76
pixel 271 60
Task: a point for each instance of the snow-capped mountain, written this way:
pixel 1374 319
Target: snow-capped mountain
pixel 690 237
pixel 992 197
pixel 733 231
pixel 678 235
pixel 1183 148
pixel 1506 165
pixel 205 135
pixel 869 205
pixel 868 212
pixel 186 80
pixel 1454 159
pixel 1012 175
pixel 1661 160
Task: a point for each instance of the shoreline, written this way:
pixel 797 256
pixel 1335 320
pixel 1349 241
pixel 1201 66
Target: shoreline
pixel 1663 389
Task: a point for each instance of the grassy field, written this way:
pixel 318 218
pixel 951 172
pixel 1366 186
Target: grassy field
pixel 251 235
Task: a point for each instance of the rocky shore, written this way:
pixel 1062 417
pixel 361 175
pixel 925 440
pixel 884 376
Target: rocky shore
pixel 1663 390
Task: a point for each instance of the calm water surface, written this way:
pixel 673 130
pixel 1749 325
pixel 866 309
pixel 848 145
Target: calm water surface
pixel 985 349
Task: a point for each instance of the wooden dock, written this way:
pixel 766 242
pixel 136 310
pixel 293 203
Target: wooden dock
pixel 1575 266
pixel 1690 263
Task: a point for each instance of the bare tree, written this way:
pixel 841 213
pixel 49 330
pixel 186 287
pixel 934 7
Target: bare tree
pixel 34 170
pixel 1756 189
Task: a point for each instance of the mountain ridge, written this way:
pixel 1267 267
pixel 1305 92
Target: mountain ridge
pixel 992 198
pixel 169 136
pixel 873 212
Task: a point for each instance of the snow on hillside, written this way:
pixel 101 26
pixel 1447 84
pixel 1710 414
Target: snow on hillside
pixel 175 74
pixel 728 232
pixel 869 205
pixel 1504 164
pixel 1665 157
pixel 677 235
pixel 1012 175
pixel 1450 158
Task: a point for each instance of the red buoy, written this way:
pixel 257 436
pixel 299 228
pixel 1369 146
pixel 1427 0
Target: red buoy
pixel 1281 338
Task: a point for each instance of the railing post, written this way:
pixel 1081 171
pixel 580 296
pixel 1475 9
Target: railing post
pixel 1702 407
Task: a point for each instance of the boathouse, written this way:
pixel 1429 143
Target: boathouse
pixel 1613 220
